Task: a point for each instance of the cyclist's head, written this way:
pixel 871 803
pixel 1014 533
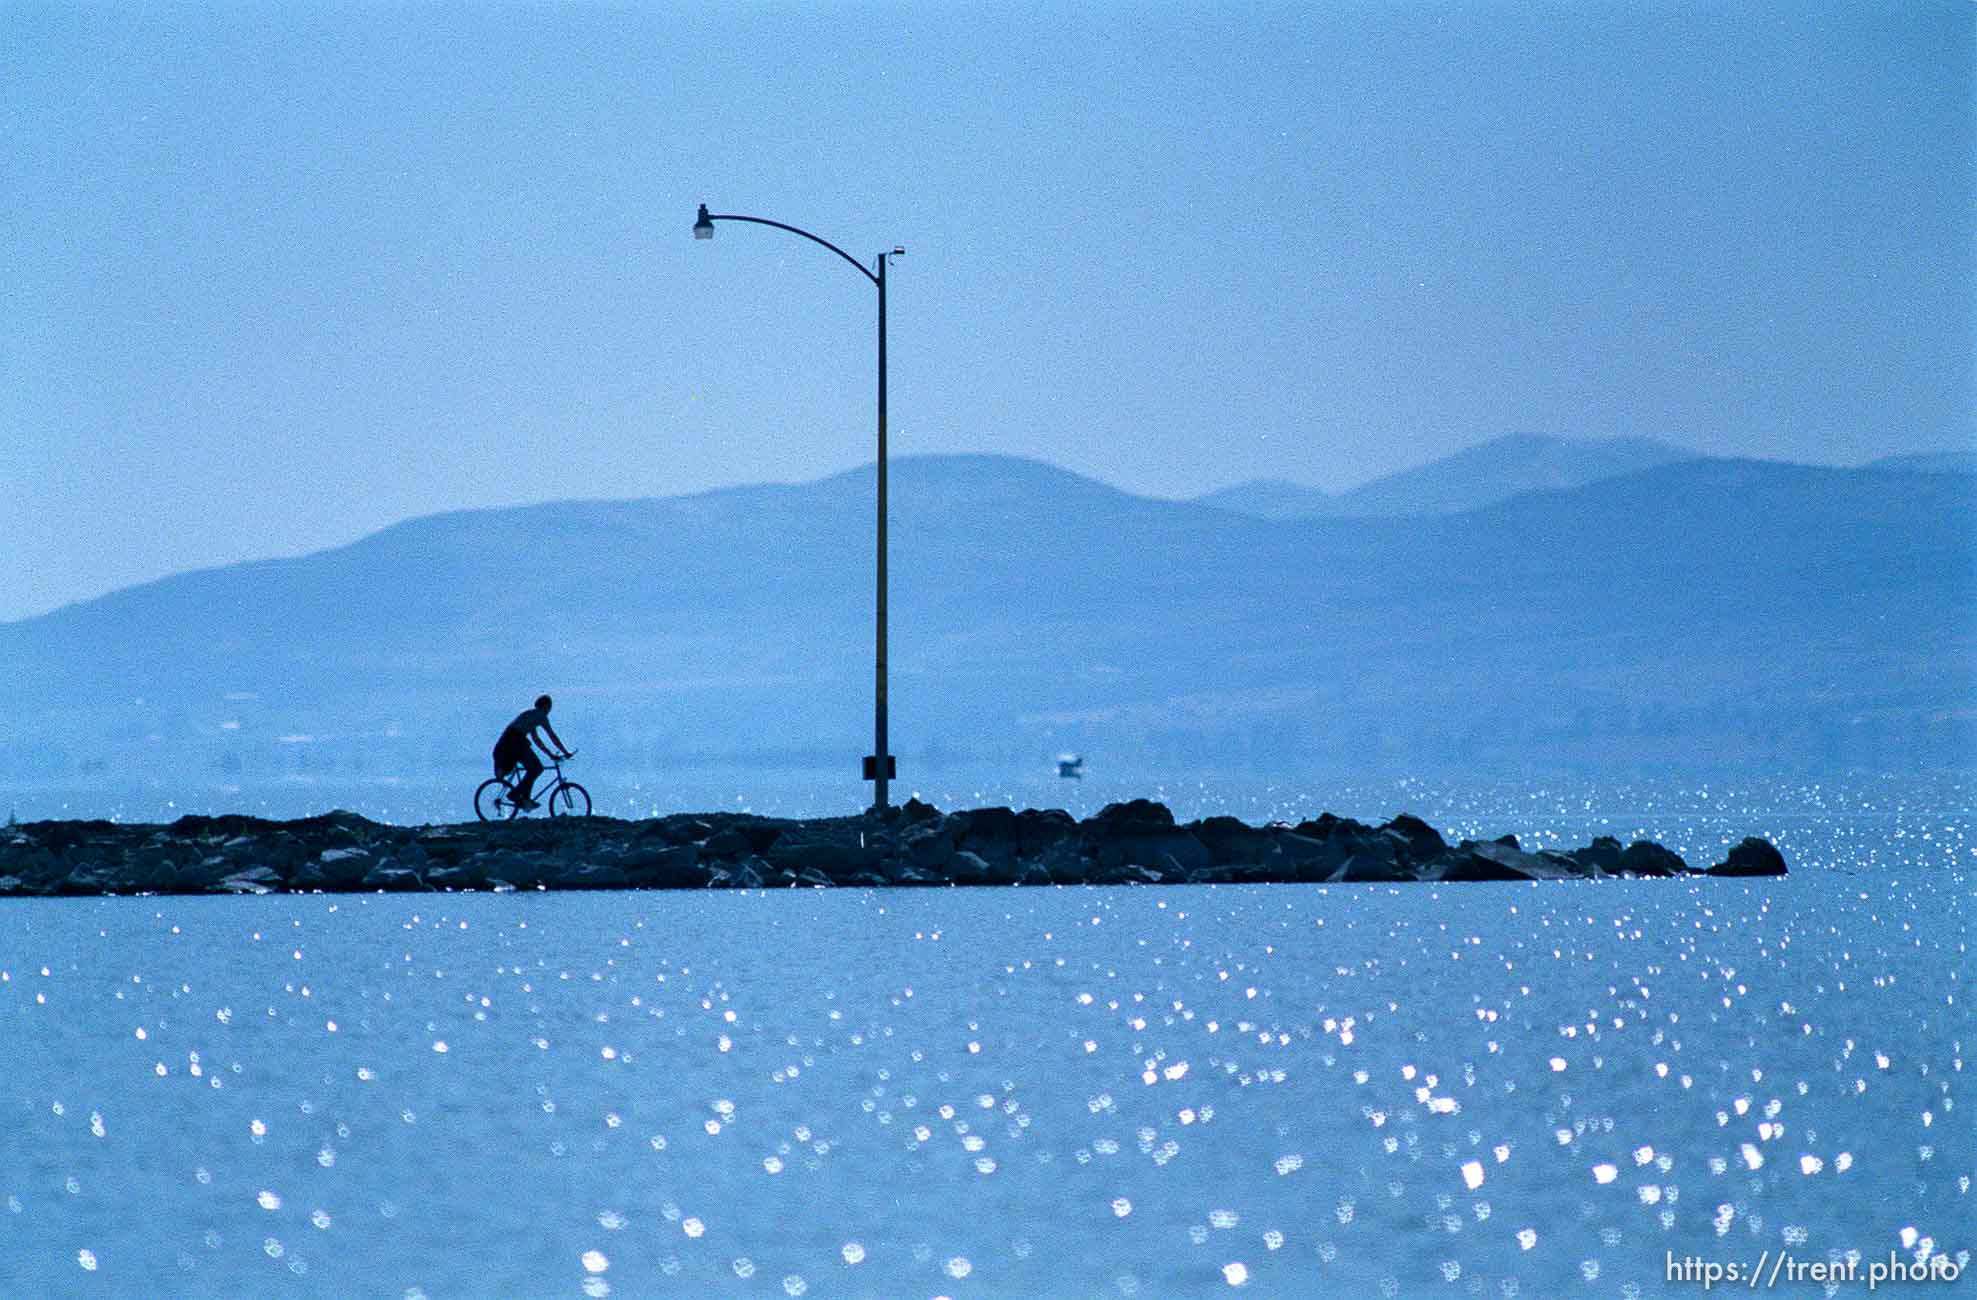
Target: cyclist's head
pixel 542 702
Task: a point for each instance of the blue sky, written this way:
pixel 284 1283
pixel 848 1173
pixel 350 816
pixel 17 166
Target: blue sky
pixel 274 276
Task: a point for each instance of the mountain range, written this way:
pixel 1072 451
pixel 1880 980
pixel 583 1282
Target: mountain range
pixel 1496 471
pixel 1680 614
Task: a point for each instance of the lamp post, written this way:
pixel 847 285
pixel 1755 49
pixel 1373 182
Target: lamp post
pixel 879 765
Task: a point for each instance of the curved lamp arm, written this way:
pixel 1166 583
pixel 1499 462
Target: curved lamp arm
pixel 703 228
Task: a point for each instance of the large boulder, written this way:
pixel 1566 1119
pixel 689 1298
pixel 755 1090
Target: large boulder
pixel 966 867
pixel 394 880
pixel 928 845
pixel 836 847
pixel 1125 874
pixel 676 866
pixel 1325 826
pixel 1038 829
pixel 1470 861
pixel 1163 849
pixel 913 811
pixel 584 875
pixel 1375 861
pixel 1646 858
pixel 1133 815
pixel 1421 841
pixel 250 880
pixel 727 843
pixel 992 834
pixel 1230 841
pixel 1602 856
pixel 1753 857
pixel 1300 857
pixel 342 868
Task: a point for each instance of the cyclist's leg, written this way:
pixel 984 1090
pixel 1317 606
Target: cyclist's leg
pixel 531 769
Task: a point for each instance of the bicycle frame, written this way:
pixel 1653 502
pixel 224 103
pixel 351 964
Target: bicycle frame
pixel 542 791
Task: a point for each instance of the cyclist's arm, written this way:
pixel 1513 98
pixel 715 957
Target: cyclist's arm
pixel 558 739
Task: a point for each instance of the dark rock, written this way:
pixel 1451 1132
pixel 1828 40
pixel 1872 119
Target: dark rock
pixel 967 868
pixel 1508 841
pixel 930 845
pixel 1037 830
pixel 227 825
pixel 585 875
pixel 1567 866
pixel 1377 863
pixel 1231 841
pixel 1311 859
pixel 497 867
pixel 1062 863
pixel 203 874
pixel 449 877
pixel 830 846
pixel 393 880
pixel 1134 815
pixel 1753 857
pixel 1150 846
pixel 992 834
pixel 1124 874
pixel 677 866
pixel 678 830
pixel 728 843
pixel 1421 841
pixel 1603 854
pixel 1646 858
pixel 1471 861
pixel 914 811
pixel 254 880
pixel 1328 827
pixel 343 868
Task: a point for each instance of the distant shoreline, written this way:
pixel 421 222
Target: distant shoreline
pixel 1137 842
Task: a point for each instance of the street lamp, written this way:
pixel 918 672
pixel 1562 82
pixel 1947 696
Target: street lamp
pixel 880 767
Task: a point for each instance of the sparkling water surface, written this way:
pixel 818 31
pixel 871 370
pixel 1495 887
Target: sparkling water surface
pixel 1489 1089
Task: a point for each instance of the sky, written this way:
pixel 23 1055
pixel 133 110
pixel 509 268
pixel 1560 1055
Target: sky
pixel 275 276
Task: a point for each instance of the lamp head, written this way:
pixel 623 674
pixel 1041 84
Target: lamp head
pixel 704 227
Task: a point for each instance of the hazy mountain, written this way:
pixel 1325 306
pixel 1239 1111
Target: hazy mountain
pixel 1476 476
pixel 1930 462
pixel 1270 498
pixel 1700 615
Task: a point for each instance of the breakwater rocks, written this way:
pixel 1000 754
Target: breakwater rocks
pixel 1126 844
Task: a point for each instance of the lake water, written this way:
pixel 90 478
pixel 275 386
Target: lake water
pixel 1484 1090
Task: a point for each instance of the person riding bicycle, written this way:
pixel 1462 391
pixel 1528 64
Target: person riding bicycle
pixel 517 745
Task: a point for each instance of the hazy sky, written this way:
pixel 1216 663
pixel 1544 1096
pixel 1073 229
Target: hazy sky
pixel 273 276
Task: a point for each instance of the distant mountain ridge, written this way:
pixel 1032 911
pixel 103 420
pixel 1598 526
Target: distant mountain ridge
pixel 1930 462
pixel 1475 476
pixel 1718 613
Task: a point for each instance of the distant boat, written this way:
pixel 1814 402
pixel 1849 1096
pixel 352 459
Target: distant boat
pixel 1071 766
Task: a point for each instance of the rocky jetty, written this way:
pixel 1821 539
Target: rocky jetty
pixel 1136 843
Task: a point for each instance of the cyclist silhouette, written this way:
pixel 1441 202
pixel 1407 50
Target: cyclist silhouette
pixel 516 748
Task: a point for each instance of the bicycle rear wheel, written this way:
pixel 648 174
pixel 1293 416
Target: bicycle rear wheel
pixel 491 802
pixel 569 800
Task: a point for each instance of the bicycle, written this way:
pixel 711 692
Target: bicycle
pixel 495 799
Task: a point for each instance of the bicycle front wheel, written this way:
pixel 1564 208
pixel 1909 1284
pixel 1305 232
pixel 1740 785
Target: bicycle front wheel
pixel 569 800
pixel 491 800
